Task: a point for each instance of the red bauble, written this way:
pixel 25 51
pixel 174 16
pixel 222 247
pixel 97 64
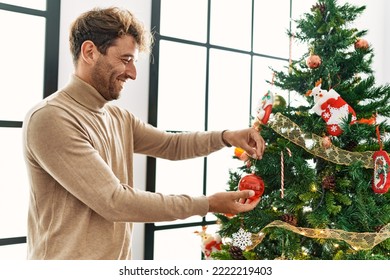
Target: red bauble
pixel 326 142
pixel 252 182
pixel 361 44
pixel 313 61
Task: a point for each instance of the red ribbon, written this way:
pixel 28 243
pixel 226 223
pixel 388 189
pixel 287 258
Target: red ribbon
pixel 379 137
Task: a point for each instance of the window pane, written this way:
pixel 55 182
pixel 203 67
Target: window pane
pixel 231 22
pixel 229 91
pixel 33 4
pixel 13 184
pixel 270 28
pixel 22 64
pixel 218 166
pixel 180 177
pixel 181 94
pixel 179 244
pixel 184 19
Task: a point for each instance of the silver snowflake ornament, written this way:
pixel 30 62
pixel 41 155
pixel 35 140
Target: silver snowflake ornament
pixel 242 239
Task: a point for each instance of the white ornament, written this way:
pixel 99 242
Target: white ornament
pixel 242 239
pixel 331 107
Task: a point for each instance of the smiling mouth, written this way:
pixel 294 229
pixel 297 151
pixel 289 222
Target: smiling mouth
pixel 121 82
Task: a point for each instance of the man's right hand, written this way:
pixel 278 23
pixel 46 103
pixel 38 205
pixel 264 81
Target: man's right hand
pixel 232 202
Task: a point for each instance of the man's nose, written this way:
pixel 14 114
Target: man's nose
pixel 131 70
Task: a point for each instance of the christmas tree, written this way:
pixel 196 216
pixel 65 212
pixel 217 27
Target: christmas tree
pixel 324 176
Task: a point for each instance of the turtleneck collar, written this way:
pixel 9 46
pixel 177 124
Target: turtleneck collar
pixel 85 94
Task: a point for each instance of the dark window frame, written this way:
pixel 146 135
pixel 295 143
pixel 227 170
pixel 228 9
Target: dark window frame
pixel 151 228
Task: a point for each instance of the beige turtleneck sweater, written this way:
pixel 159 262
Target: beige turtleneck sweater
pixel 79 154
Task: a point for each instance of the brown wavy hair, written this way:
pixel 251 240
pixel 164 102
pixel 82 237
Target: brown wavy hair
pixel 103 27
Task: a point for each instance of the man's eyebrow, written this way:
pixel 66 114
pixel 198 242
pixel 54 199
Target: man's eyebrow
pixel 127 55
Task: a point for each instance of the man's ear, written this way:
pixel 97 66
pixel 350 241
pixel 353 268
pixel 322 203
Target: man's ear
pixel 88 52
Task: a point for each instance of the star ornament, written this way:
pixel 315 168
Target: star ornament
pixel 242 239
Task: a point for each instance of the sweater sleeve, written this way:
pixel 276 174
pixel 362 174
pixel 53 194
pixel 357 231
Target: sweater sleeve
pixel 60 153
pixel 174 146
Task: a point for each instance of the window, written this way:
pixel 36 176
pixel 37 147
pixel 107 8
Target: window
pixel 28 72
pixel 211 63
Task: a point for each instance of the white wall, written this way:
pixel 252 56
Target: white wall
pixel 134 97
pixel 375 20
pixel 386 37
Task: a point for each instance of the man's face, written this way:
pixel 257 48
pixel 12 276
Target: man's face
pixel 114 68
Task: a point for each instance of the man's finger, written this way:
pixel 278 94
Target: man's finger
pixel 245 194
pixel 260 144
pixel 249 205
pixel 255 146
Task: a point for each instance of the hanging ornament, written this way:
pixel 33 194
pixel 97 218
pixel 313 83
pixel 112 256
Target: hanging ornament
pixel 313 61
pixel 241 154
pixel 361 44
pixel 279 102
pixel 282 171
pixel 381 180
pixel 252 182
pixel 331 107
pixel 236 253
pixel 329 182
pixel 242 239
pixel 321 7
pixel 210 243
pixel 289 218
pixel 264 107
pixel 326 142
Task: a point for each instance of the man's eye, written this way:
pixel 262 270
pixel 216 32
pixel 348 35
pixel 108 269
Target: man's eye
pixel 128 60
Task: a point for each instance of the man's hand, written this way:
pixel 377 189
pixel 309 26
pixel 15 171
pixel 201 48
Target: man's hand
pixel 232 202
pixel 247 139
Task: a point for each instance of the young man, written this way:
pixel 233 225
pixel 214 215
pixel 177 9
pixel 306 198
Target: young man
pixel 79 151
